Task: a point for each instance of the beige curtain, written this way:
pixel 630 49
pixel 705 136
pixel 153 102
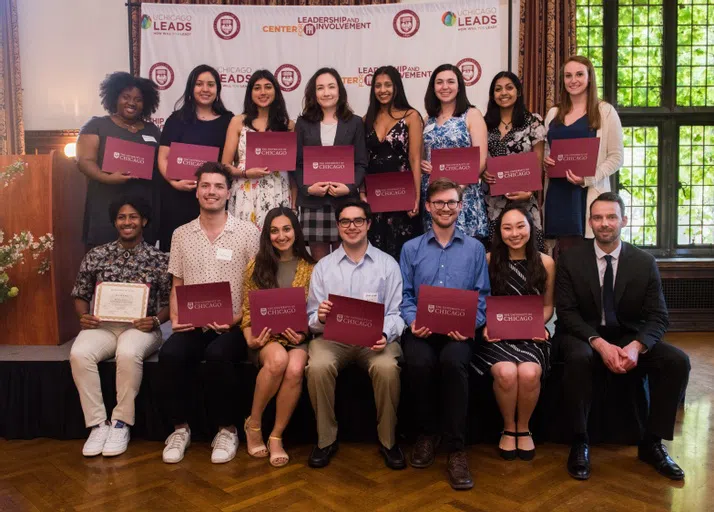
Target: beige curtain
pixel 12 132
pixel 136 14
pixel 547 38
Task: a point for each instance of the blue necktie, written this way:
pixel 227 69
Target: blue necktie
pixel 608 294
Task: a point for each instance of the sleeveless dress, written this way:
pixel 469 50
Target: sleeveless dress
pixel 251 199
pixel 565 203
pixel 391 230
pixel 473 219
pixel 487 354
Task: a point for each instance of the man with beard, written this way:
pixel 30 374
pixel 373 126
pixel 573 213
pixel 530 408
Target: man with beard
pixel 443 256
pixel 611 311
pixel 214 247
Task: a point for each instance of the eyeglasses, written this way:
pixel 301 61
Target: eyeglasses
pixel 439 205
pixel 358 222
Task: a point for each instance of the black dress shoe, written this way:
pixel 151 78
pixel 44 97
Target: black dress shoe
pixel 508 454
pixel 655 454
pixel 393 457
pixel 424 452
pixel 525 454
pixel 579 461
pixel 320 457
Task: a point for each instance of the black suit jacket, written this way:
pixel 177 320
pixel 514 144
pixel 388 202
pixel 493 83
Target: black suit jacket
pixel 639 303
pixel 349 133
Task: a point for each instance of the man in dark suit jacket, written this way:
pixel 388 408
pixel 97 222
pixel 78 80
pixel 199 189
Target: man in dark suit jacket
pixel 611 311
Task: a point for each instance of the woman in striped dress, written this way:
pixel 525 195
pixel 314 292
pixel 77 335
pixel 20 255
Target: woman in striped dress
pixel 517 268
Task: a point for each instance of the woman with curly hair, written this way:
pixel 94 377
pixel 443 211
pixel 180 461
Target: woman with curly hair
pixel 129 102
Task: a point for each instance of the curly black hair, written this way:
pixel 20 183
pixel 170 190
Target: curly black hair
pixel 113 85
pixel 140 204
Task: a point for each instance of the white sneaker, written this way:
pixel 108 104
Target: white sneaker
pixel 225 445
pixel 176 445
pixel 95 442
pixel 118 439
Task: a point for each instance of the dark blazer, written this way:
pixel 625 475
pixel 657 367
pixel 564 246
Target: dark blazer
pixel 639 302
pixel 349 133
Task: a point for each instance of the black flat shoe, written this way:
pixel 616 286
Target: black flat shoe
pixel 393 457
pixel 508 454
pixel 579 461
pixel 525 454
pixel 655 454
pixel 320 457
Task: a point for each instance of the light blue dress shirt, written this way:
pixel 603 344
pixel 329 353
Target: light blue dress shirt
pixel 375 278
pixel 461 264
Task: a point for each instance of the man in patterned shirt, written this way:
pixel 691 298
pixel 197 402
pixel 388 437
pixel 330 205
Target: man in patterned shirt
pixel 126 260
pixel 215 247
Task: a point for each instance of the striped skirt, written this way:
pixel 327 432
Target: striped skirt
pixel 527 351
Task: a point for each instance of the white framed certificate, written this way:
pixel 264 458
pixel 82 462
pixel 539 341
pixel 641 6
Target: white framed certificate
pixel 121 302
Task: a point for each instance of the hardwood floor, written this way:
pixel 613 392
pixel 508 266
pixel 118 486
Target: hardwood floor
pixel 45 474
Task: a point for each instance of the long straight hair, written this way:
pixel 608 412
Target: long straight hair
pixel 311 109
pixel 493 112
pixel 278 119
pixel 186 105
pixel 399 98
pixel 565 104
pixel 432 104
pixel 498 270
pixel 265 274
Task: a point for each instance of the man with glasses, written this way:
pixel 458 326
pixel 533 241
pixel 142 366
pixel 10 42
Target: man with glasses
pixel 359 270
pixel 443 256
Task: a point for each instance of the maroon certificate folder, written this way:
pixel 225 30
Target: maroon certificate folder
pixel 515 173
pixel 275 150
pixel 354 321
pixel 515 317
pixel 578 155
pixel 328 163
pixel 128 157
pixel 278 309
pixel 391 191
pixel 463 165
pixel 184 159
pixel 202 304
pixel 443 310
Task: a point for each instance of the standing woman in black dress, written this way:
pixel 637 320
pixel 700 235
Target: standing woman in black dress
pixel 200 118
pixel 394 142
pixel 129 102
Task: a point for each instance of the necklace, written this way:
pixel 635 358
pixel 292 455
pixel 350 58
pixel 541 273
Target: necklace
pixel 133 128
pixel 507 126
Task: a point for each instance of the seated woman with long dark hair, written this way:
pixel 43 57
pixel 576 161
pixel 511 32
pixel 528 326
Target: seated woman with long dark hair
pixel 517 268
pixel 282 262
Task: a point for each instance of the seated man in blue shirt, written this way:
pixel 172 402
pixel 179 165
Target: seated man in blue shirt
pixel 443 256
pixel 359 270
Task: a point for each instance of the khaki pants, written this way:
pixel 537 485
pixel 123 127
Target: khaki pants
pixel 130 347
pixel 327 358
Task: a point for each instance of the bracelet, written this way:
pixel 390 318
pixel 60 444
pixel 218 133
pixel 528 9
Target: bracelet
pixel 157 322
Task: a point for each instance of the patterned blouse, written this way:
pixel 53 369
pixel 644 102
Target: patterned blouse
pixel 301 279
pixel 113 263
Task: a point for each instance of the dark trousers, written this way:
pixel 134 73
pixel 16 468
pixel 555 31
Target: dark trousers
pixel 665 366
pixel 179 359
pixel 437 377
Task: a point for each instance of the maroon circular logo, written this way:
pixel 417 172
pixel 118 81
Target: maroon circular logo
pixel 368 79
pixel 406 23
pixel 288 77
pixel 226 25
pixel 162 74
pixel 470 69
pixel 309 29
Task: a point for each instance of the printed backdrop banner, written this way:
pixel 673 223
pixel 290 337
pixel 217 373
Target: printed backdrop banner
pixel 294 42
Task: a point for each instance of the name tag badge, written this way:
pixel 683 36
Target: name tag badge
pixel 224 254
pixel 371 297
pixel 149 138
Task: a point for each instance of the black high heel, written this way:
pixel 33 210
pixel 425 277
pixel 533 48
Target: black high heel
pixel 509 454
pixel 525 454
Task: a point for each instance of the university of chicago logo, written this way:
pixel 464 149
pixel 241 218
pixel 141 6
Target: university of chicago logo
pixel 190 305
pixel 257 151
pixel 430 308
pixel 226 25
pixel 406 23
pixel 116 155
pixel 499 317
pixel 377 192
pixel 263 311
pixel 470 69
pixel 162 74
pixel 179 160
pixel 560 158
pixel 288 77
pixel 442 167
pixel 339 318
pixel 500 175
pixel 315 165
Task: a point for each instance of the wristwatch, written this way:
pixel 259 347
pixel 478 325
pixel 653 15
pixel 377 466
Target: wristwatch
pixel 157 322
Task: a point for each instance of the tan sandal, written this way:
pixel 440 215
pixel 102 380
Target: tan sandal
pixel 278 460
pixel 259 452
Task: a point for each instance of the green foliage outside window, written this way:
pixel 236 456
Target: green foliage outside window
pixel 589 35
pixel 695 53
pixel 696 185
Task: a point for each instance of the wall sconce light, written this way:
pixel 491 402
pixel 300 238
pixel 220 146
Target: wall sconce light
pixel 70 150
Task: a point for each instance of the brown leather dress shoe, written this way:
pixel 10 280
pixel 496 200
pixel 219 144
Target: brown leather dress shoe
pixel 458 469
pixel 424 452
